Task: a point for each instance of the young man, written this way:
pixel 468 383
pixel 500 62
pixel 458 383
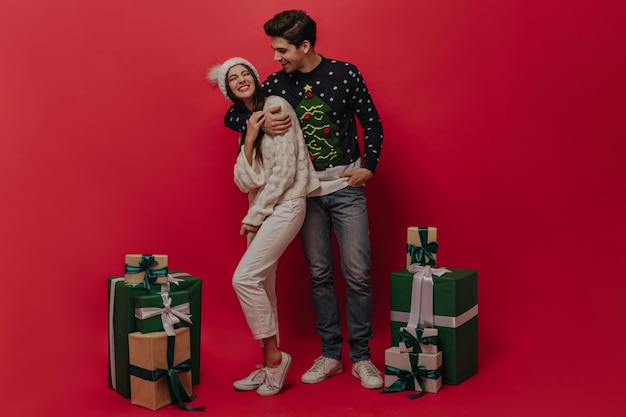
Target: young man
pixel 328 96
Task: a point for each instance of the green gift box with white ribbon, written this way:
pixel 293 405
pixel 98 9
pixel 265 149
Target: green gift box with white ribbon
pixel 454 313
pixel 158 312
pixel 122 322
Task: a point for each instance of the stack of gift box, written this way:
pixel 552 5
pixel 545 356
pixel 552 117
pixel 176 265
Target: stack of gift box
pixel 434 320
pixel 154 333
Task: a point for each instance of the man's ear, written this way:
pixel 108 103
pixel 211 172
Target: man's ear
pixel 306 46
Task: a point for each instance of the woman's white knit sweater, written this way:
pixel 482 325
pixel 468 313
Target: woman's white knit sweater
pixel 286 171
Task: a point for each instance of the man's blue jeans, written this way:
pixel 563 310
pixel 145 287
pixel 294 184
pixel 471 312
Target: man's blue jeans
pixel 345 212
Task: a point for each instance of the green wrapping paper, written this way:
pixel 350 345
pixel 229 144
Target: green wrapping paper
pixel 155 324
pixel 121 298
pixel 455 307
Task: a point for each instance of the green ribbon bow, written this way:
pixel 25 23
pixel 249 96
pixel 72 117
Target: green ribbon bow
pixel 411 341
pixel 423 255
pixel 406 379
pixel 151 274
pixel 177 391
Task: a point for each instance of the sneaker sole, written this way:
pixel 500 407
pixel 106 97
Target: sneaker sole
pixel 315 381
pixel 282 382
pixel 245 387
pixel 356 375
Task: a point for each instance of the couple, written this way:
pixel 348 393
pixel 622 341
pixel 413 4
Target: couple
pixel 299 155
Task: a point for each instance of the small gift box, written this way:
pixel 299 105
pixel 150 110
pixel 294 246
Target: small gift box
pixel 412 371
pixel 164 311
pixel 145 269
pixel 454 315
pixel 418 340
pixel 160 368
pixel 421 246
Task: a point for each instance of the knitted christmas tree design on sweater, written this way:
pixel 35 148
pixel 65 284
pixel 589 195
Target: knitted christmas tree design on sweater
pixel 319 129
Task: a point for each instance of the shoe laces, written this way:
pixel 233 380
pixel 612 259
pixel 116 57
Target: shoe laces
pixel 258 373
pixel 269 377
pixel 368 368
pixel 320 365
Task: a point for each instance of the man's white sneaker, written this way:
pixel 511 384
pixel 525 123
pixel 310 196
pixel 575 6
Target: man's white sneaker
pixel 252 381
pixel 275 377
pixel 368 374
pixel 322 369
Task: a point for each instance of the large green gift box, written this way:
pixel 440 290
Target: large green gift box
pixel 121 298
pixel 455 309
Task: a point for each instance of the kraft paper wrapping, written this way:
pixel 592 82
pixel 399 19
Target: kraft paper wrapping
pixel 138 277
pixel 431 361
pixel 413 238
pixel 149 351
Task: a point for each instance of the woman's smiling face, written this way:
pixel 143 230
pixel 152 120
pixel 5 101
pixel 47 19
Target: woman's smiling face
pixel 241 82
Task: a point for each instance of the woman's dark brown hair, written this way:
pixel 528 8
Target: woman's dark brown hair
pixel 258 101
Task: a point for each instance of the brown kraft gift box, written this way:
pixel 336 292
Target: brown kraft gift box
pixel 424 238
pixel 134 261
pixel 148 351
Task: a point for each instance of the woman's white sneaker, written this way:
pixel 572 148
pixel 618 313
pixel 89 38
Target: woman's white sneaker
pixel 252 381
pixel 275 377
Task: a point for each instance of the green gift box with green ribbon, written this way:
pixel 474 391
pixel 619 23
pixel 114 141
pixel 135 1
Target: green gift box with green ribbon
pixel 155 312
pixel 122 321
pixel 455 315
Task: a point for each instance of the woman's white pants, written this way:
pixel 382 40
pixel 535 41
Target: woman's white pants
pixel 254 279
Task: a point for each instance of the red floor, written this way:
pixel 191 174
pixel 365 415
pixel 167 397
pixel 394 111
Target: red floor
pixel 68 376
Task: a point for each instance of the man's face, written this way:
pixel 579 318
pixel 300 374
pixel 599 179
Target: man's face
pixel 290 57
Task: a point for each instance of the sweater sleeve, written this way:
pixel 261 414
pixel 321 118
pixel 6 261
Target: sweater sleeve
pixel 279 161
pixel 248 177
pixel 370 122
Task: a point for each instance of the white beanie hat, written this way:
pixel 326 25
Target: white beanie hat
pixel 217 73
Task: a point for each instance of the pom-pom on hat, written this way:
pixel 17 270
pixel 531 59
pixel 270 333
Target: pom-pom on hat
pixel 217 73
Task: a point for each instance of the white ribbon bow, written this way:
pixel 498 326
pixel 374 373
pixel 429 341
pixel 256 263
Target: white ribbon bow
pixel 171 278
pixel 170 316
pixel 421 313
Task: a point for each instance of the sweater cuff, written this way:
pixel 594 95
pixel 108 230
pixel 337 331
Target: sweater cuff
pixel 253 220
pixel 370 164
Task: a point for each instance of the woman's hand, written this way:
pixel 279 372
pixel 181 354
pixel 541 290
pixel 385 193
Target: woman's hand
pixel 248 228
pixel 255 121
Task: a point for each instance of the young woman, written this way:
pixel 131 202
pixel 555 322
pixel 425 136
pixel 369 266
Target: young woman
pixel 277 174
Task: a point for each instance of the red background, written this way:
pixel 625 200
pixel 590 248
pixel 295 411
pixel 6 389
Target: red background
pixel 504 128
